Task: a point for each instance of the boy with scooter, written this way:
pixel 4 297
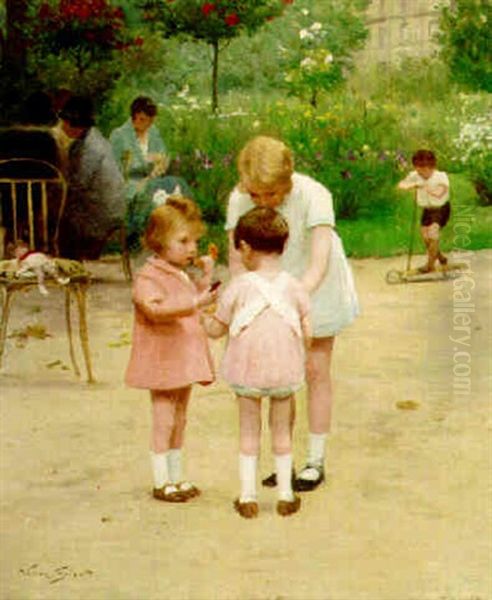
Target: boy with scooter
pixel 432 194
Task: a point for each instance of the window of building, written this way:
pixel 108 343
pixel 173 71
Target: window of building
pixel 382 37
pixel 404 32
pixel 432 28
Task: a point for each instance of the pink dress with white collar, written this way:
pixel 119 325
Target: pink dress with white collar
pixel 170 348
pixel 265 350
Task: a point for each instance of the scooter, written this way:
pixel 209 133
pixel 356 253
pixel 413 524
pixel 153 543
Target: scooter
pixel 409 275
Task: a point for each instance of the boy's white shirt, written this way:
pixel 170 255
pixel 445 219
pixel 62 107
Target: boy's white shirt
pixel 436 180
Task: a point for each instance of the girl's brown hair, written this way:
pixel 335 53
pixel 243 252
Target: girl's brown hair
pixel 165 219
pixel 264 229
pixel 265 161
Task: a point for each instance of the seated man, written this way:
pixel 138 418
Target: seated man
pixel 95 205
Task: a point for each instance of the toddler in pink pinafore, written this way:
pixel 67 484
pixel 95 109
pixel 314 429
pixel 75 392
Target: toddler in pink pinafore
pixel 265 312
pixel 265 352
pixel 170 348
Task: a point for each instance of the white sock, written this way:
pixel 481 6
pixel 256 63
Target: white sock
pixel 174 464
pixel 159 468
pixel 247 476
pixel 283 466
pixel 316 453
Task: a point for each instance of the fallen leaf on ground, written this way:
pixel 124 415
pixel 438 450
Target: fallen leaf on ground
pixel 57 363
pixel 124 340
pixel 54 363
pixel 407 405
pixel 37 331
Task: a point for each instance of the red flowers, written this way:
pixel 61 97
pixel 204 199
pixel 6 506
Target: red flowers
pixel 45 11
pixel 208 8
pixel 232 19
pixel 76 24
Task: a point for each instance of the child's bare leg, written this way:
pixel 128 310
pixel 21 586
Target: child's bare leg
pixel 249 449
pixel 430 235
pixel 249 425
pixel 163 422
pixel 271 480
pixel 280 426
pixel 320 385
pixel 280 421
pixel 174 456
pixel 182 399
pixel 281 432
pixel 163 419
pixel 319 410
pixel 434 254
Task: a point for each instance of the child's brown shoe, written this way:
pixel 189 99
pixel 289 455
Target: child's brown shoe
pixel 188 489
pixel 286 507
pixel 169 493
pixel 248 510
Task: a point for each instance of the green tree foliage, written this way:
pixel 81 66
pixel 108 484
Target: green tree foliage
pixel 72 43
pixel 319 54
pixel 465 42
pixel 82 45
pixel 16 80
pixel 215 23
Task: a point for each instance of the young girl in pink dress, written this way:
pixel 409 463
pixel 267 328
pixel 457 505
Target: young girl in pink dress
pixel 170 348
pixel 265 313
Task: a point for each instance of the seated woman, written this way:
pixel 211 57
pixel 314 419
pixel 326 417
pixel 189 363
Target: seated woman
pixel 143 159
pixel 95 205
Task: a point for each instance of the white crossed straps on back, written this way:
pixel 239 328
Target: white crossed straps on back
pixel 272 295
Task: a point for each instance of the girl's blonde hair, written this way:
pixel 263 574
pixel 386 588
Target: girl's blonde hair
pixel 165 219
pixel 265 161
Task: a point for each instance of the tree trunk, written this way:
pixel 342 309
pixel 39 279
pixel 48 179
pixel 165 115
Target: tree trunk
pixel 215 76
pixel 15 49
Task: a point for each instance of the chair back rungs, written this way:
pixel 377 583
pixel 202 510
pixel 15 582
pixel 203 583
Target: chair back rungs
pixel 31 206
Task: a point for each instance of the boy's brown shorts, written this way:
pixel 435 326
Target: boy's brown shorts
pixel 439 215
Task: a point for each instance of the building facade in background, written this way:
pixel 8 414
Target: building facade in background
pixel 400 28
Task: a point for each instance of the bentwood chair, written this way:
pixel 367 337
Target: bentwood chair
pixel 32 200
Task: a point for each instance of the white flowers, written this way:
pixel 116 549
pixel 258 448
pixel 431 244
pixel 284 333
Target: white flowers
pixel 305 34
pixel 311 33
pixel 160 196
pixel 184 92
pixel 308 63
pixel 475 137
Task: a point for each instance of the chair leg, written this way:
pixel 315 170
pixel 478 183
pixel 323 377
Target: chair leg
pixel 125 255
pixel 84 335
pixel 69 331
pixel 5 318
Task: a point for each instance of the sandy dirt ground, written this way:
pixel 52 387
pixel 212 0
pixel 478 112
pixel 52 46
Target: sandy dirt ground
pixel 406 512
